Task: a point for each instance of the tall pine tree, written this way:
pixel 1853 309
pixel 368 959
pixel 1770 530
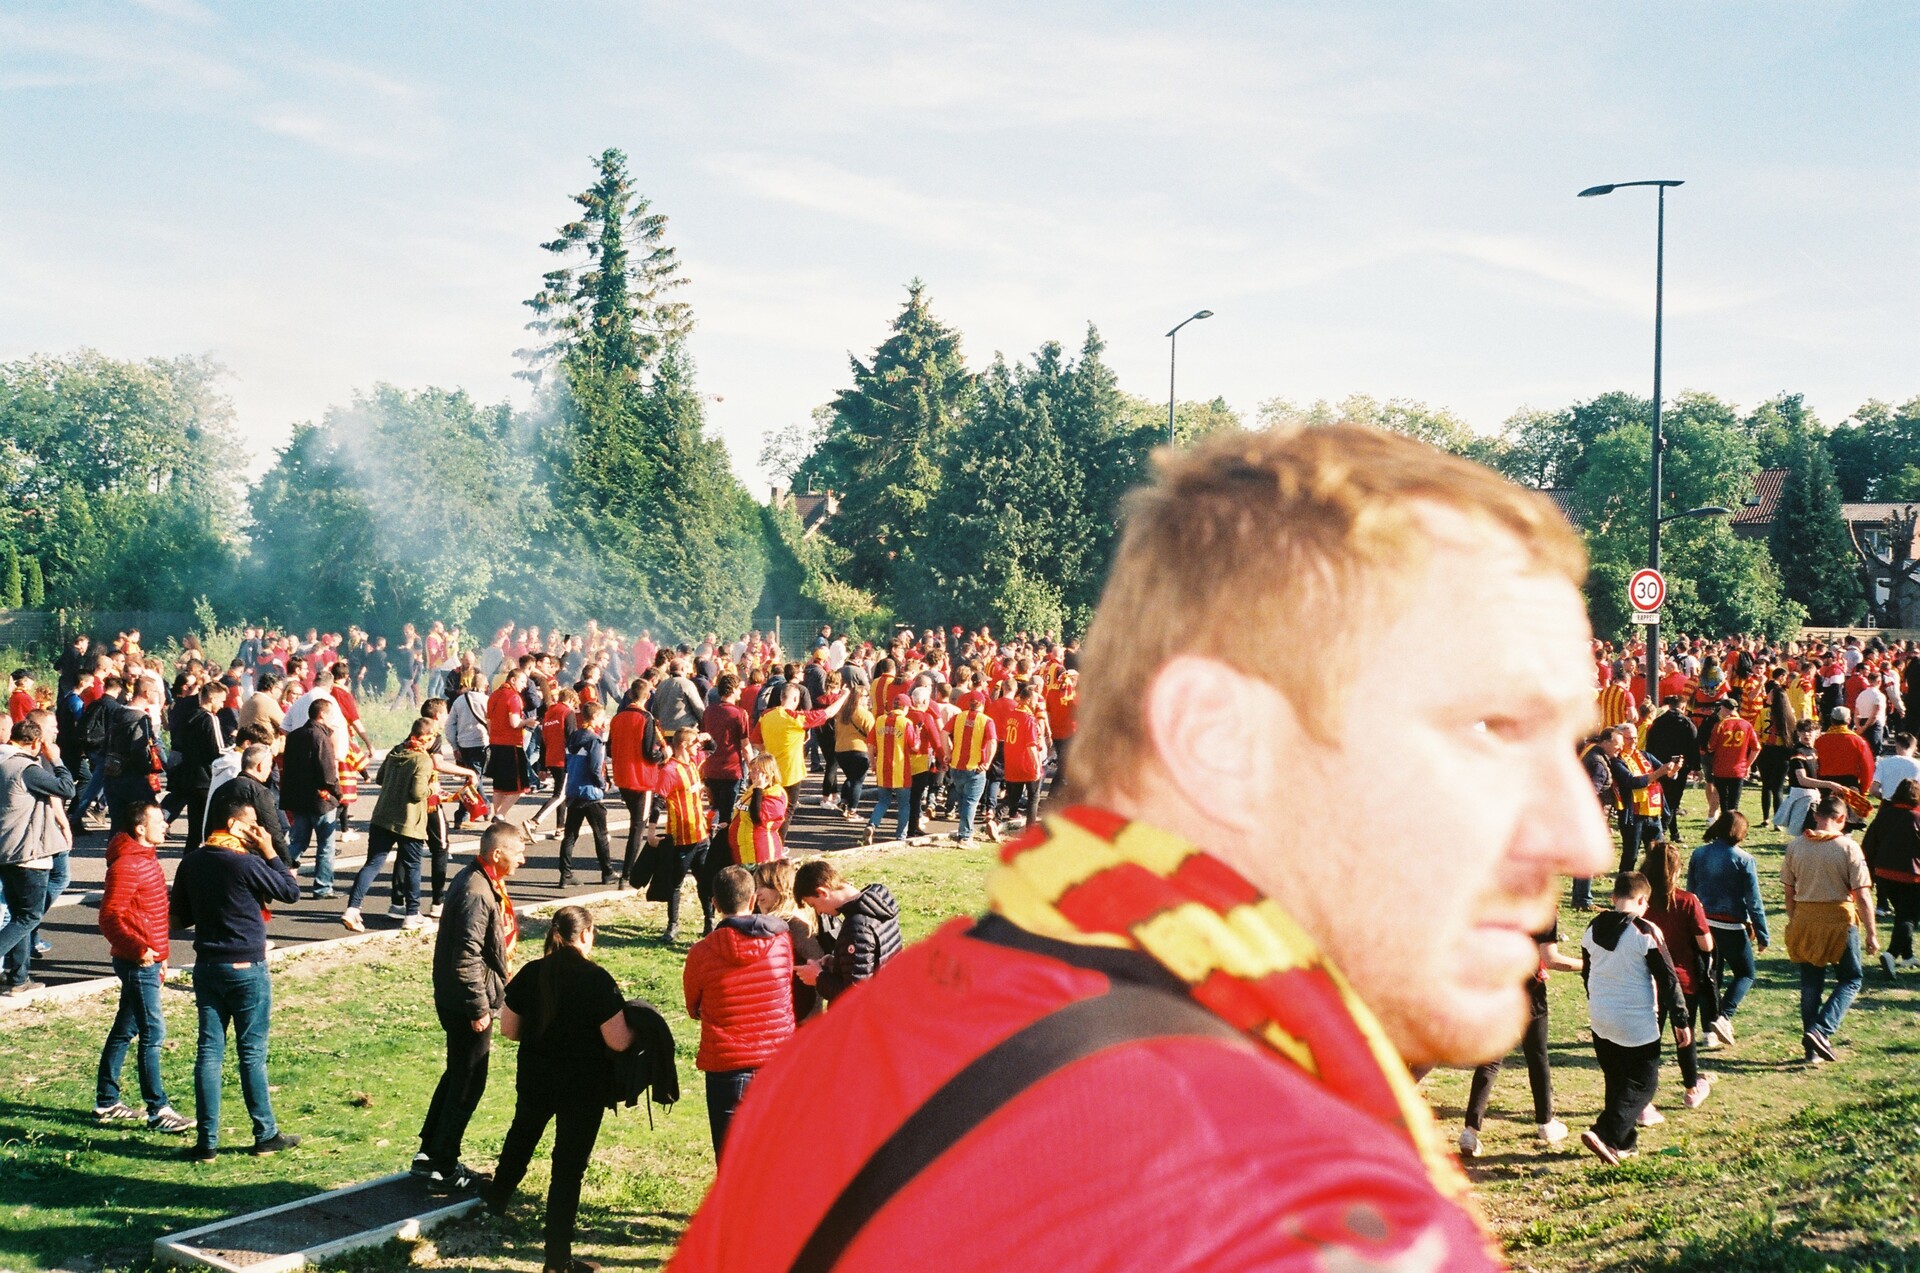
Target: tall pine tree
pixel 1810 543
pixel 647 522
pixel 883 444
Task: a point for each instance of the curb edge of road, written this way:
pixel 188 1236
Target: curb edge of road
pixel 75 991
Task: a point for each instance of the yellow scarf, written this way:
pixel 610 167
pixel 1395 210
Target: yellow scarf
pixel 1093 878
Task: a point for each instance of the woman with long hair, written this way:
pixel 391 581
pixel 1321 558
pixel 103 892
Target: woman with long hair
pixel 773 896
pixel 1683 922
pixel 1726 879
pixel 564 1011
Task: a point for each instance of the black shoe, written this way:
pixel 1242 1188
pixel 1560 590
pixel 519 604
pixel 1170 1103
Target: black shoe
pixel 1817 1044
pixel 277 1142
pixel 672 934
pixel 422 1166
pixel 606 878
pixel 494 1199
pixel 461 1179
pixel 573 1266
pixel 199 1153
pixel 566 881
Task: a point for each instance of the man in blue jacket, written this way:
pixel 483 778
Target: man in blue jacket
pixel 221 891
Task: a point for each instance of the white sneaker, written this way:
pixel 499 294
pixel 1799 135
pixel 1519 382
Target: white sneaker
pixel 830 802
pixel 1722 1029
pixel 1906 963
pixel 350 919
pixel 1696 1096
pixel 413 923
pixel 433 911
pixel 1469 1143
pixel 1554 1132
pixel 1651 1117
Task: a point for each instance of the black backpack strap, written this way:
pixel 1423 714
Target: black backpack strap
pixel 1128 1012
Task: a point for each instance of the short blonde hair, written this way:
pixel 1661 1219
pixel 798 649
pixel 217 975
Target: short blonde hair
pixel 1264 550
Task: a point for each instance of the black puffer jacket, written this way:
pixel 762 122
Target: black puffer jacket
pixel 869 936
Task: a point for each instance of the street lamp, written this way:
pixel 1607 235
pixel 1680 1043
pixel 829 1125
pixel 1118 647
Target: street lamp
pixel 1173 346
pixel 1659 304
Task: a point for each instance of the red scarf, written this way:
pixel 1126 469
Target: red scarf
pixel 509 922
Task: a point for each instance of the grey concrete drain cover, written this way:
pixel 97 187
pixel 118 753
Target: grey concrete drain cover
pixel 296 1234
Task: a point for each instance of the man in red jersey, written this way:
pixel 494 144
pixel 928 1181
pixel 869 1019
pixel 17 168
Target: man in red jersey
pixel 1181 1038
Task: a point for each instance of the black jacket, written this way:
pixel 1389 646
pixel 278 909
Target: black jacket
pixel 130 739
pixel 869 936
pixel 261 797
pixel 1672 734
pixel 469 952
pixel 197 739
pixel 310 772
pixel 648 1065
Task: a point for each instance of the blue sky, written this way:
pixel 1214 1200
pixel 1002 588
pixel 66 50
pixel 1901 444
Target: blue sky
pixel 1372 197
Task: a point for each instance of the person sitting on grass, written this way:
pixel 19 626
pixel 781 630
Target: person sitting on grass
pixel 1631 989
pixel 133 918
pixel 564 1011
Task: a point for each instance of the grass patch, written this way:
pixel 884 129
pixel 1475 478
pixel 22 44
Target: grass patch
pixel 1783 1169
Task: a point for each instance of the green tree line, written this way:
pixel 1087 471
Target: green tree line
pixel 974 496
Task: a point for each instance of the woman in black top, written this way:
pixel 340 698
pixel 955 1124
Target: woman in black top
pixel 565 1011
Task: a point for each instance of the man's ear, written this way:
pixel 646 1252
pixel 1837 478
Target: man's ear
pixel 1222 736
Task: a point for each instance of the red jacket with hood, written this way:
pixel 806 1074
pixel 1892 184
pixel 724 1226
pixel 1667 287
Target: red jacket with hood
pixel 133 910
pixel 738 982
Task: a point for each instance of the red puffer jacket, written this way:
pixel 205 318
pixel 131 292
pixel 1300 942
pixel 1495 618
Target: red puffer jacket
pixel 133 912
pixel 738 981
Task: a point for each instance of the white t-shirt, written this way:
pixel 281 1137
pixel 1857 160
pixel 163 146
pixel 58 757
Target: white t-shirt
pixel 1621 999
pixel 1890 771
pixel 1869 705
pixel 302 709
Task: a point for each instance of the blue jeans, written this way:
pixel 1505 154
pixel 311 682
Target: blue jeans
pixel 95 788
pixel 968 786
pixel 1732 966
pixel 380 842
pixel 139 1015
pixel 1582 892
pixel 1848 974
pixel 243 996
pixel 899 798
pixel 317 827
pixel 26 894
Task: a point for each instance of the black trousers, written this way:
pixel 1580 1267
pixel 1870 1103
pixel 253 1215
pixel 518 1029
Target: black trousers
pixel 1632 1074
pixel 1728 789
pixel 591 813
pixel 537 1102
pixel 725 1090
pixel 458 1093
pixel 437 849
pixel 1905 899
pixel 1672 791
pixel 1773 777
pixel 636 830
pixel 917 799
pixel 1533 1046
pixel 196 817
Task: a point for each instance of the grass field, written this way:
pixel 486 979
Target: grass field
pixel 1784 1168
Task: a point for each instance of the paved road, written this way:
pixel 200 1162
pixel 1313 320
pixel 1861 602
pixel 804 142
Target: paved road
pixel 80 953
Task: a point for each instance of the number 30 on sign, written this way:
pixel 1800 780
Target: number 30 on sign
pixel 1647 589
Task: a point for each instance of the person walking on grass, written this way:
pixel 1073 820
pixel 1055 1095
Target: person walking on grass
pixel 133 919
pixel 738 986
pixel 1533 1046
pixel 1891 847
pixel 1731 748
pixel 1829 899
pixel 1726 879
pixel 221 891
pixel 565 1011
pixel 1631 992
pixel 1684 930
pixel 472 954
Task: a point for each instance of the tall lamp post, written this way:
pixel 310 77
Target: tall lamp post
pixel 1659 304
pixel 1173 347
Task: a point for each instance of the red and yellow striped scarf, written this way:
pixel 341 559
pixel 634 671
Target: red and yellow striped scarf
pixel 1092 877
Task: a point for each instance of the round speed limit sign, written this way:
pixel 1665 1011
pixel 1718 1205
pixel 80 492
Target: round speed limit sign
pixel 1647 589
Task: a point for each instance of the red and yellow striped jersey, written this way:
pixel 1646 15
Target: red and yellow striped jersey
pixel 973 735
pixel 686 803
pixel 1615 704
pixel 892 743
